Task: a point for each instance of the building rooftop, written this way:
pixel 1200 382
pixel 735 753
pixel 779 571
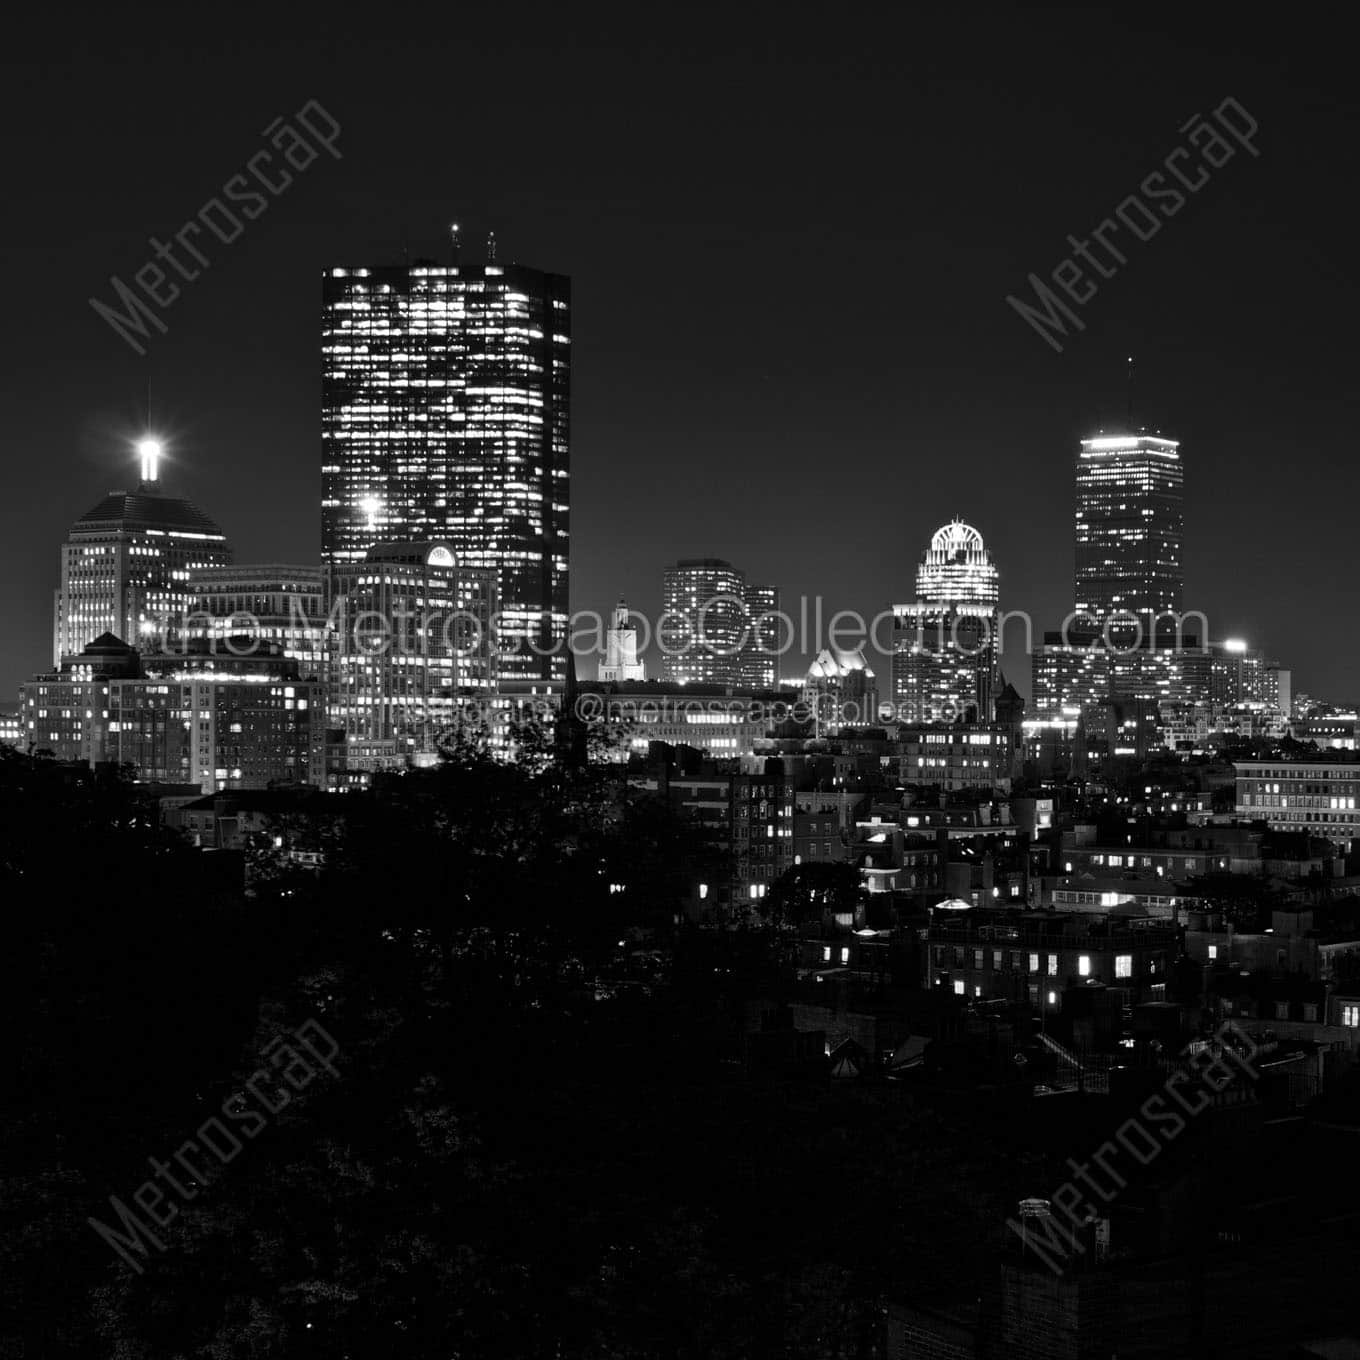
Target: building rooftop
pixel 143 509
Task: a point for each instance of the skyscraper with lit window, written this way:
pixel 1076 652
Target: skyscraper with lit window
pixel 445 416
pixel 1129 531
pixel 410 658
pixel 944 642
pixel 266 602
pixel 1127 636
pixel 715 629
pixel 127 562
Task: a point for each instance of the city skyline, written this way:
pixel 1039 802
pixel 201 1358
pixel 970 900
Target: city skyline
pixel 934 572
pixel 598 586
pixel 715 373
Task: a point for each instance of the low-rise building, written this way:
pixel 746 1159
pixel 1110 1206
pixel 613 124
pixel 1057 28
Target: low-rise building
pixel 239 719
pixel 12 729
pixel 1316 794
pixel 821 822
pixel 1036 956
pixel 747 814
pixel 963 756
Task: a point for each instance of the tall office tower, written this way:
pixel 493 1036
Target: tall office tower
pixel 758 664
pixel 702 625
pixel 126 563
pixel 411 657
pixel 620 650
pixel 711 630
pixel 945 644
pixel 1129 531
pixel 269 602
pixel 445 416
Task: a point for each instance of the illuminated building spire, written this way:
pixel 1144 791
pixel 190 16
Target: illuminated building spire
pixel 149 450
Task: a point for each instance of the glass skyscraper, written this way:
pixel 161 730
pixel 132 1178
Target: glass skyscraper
pixel 445 416
pixel 1129 531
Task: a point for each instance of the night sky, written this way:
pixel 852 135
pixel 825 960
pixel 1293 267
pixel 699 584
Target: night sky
pixel 790 248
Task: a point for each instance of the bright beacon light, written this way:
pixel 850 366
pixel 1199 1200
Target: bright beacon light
pixel 150 452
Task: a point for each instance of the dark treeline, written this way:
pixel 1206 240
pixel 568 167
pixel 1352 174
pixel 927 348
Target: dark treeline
pixel 514 1158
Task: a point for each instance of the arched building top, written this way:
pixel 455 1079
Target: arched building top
pixel 957 568
pixel 956 537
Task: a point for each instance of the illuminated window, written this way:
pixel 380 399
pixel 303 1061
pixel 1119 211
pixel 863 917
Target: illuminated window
pixel 1084 965
pixel 1123 965
pixel 1350 1017
pixel 845 954
pixel 1033 963
pixel 1213 951
pixel 958 987
pixel 1053 965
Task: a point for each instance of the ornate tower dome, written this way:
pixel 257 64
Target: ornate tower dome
pixel 957 568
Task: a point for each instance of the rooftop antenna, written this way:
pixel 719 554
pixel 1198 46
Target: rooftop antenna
pixel 1130 396
pixel 454 233
pixel 491 247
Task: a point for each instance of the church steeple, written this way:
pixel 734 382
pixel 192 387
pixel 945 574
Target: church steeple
pixel 621 659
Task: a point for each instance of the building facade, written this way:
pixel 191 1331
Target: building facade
pixel 1037 956
pixel 269 602
pixel 747 814
pixel 410 656
pixel 446 417
pixel 621 661
pixel 1313 794
pixel 1129 530
pixel 715 628
pixel 1192 682
pixel 126 566
pixel 840 691
pixel 969 756
pixel 758 664
pixel 201 715
pixel 945 643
